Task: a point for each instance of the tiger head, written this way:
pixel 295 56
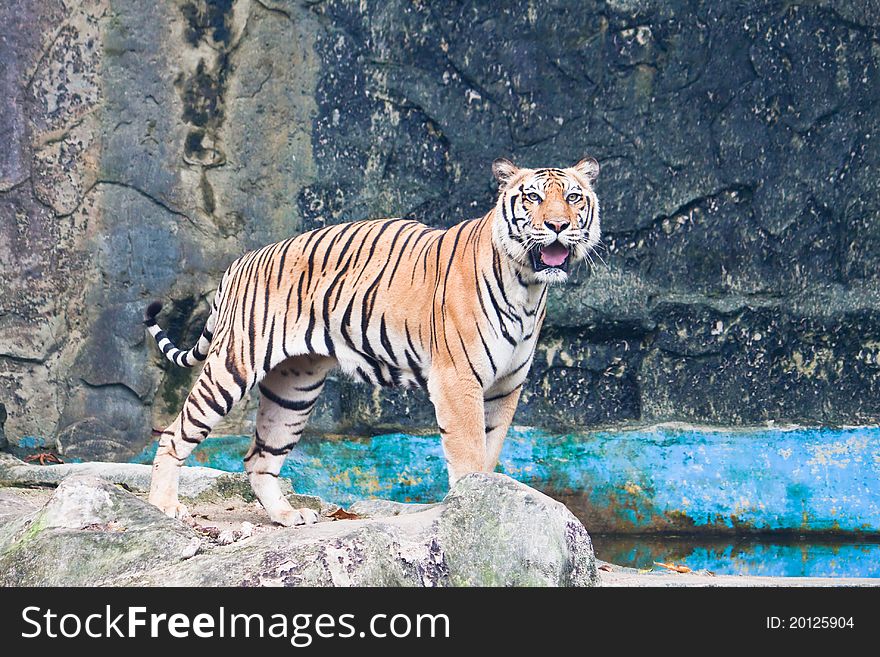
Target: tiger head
pixel 547 219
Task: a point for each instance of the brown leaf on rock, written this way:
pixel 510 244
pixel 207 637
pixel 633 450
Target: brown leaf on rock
pixel 45 458
pixel 678 568
pixel 342 514
pixel 606 567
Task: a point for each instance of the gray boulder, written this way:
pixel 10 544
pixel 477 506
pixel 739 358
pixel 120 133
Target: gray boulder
pixel 489 531
pixel 197 483
pixel 90 533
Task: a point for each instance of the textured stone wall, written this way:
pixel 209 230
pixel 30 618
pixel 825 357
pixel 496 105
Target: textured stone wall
pixel 144 145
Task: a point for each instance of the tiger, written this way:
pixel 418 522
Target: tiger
pixel 395 303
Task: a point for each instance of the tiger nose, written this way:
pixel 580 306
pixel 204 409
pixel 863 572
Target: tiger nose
pixel 558 225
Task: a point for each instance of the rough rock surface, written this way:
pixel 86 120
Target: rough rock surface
pixel 90 533
pixel 489 531
pixel 197 484
pixel 147 144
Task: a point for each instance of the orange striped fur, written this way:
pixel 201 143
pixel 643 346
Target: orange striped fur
pixel 393 302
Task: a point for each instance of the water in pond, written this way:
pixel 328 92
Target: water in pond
pixel 765 555
pixel 820 482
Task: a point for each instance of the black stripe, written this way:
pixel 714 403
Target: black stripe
pixel 479 289
pixel 363 375
pixel 416 370
pixel 341 285
pixel 289 404
pixel 360 226
pixel 277 451
pixel 518 367
pixel 409 340
pixel 199 424
pixel 284 250
pixel 267 360
pixel 239 381
pixel 513 216
pixel 310 388
pixel 336 237
pixel 284 324
pixel 311 261
pixel 310 328
pixel 496 269
pixel 498 313
pixel 326 307
pixel 468 359
pixel 299 295
pixel 506 394
pixel 400 258
pixel 213 405
pixel 383 338
pixel 486 348
pixel 449 263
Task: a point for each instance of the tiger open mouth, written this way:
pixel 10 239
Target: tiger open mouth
pixel 551 256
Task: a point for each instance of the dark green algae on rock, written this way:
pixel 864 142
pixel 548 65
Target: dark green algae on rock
pixel 90 533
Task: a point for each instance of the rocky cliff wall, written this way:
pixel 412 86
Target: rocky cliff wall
pixel 148 144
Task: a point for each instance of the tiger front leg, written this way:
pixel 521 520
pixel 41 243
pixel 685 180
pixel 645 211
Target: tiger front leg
pixel 458 404
pixel 500 408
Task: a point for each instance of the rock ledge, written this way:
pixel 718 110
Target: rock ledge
pixel 489 531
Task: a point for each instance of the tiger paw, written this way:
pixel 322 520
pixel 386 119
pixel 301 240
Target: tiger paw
pixel 293 517
pixel 172 509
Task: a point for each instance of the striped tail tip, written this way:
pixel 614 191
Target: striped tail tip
pixel 151 312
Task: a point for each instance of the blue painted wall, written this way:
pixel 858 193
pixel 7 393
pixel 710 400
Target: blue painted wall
pixel 660 479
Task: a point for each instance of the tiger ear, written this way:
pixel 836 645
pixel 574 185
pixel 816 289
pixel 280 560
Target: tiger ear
pixel 504 170
pixel 588 167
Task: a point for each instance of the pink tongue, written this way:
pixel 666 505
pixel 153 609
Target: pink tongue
pixel 554 255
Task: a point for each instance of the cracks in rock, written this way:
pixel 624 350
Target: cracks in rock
pixel 259 89
pixel 277 10
pixel 620 133
pixel 15 186
pixel 138 190
pixel 111 384
pixel 27 360
pixel 44 55
pixel 870 31
pixel 684 209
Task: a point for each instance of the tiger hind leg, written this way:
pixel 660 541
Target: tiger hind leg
pixel 288 395
pixel 210 399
